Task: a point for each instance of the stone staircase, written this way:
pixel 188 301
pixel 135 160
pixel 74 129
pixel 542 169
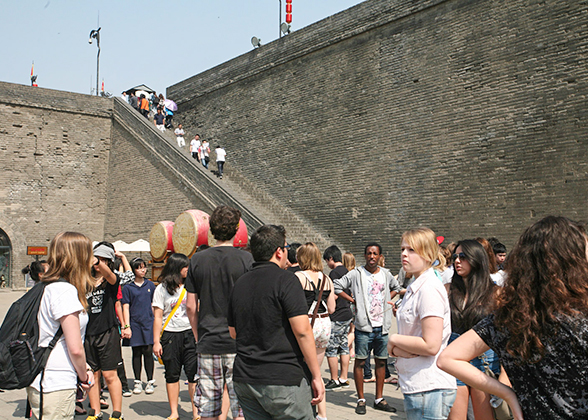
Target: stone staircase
pixel 256 205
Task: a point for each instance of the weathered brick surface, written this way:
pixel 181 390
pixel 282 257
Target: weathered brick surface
pixel 54 157
pixel 468 116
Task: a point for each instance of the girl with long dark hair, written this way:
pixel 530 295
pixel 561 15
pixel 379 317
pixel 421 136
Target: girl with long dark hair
pixel 175 345
pixel 472 296
pixel 539 328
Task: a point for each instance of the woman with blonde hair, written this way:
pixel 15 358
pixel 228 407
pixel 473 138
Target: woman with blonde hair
pixel 349 261
pixel 313 280
pixel 63 306
pixel 424 327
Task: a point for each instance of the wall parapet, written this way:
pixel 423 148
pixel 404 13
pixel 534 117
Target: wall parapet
pixel 55 100
pixel 329 31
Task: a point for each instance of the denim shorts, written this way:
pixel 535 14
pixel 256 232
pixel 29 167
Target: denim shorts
pixel 378 341
pixel 429 405
pixel 489 357
pixel 339 340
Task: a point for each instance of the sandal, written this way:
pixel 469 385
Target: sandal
pixel 80 408
pixel 391 380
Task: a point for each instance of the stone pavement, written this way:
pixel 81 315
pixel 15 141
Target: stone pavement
pixel 340 403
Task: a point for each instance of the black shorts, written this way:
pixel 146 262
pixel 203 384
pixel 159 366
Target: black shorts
pixel 103 350
pixel 179 349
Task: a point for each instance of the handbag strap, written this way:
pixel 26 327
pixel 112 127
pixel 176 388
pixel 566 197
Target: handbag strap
pixel 320 296
pixel 169 317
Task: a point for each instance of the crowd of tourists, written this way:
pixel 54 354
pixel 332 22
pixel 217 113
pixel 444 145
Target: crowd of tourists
pixel 505 335
pixel 155 107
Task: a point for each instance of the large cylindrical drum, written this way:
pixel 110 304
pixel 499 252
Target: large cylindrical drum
pixel 160 240
pixel 240 240
pixel 191 230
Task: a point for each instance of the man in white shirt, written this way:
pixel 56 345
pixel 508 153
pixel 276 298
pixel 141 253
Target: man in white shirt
pixel 220 160
pixel 194 146
pixel 179 132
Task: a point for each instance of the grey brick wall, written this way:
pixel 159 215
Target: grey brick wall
pixel 466 116
pixel 54 153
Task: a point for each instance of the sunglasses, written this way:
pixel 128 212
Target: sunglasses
pixel 285 247
pixel 461 256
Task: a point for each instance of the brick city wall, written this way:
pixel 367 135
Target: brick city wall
pixel 54 153
pixel 467 116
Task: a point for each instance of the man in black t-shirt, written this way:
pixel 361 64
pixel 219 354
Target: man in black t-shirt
pixel 340 323
pixel 211 277
pixel 268 317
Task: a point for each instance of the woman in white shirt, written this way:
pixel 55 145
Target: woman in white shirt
pixel 176 346
pixel 424 327
pixel 63 305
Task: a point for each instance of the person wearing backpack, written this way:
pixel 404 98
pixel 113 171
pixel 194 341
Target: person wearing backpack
pixel 63 307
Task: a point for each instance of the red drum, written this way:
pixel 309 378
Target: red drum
pixel 241 236
pixel 191 230
pixel 160 240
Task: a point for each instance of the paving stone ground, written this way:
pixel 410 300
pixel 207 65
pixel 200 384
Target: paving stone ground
pixel 340 403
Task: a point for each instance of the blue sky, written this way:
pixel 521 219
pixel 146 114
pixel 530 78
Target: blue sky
pixel 157 43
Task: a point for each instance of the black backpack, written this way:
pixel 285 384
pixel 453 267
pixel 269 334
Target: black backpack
pixel 21 359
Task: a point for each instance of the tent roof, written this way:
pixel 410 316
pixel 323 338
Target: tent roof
pixel 144 88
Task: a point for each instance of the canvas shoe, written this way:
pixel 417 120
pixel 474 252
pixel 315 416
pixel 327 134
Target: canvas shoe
pixel 332 385
pixel 344 384
pixel 360 409
pixel 92 415
pixel 138 387
pixel 149 387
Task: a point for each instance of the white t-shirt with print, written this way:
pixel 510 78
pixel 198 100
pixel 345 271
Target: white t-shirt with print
pixel 163 300
pixel 59 299
pixel 375 296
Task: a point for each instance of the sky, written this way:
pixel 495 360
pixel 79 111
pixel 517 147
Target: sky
pixel 157 43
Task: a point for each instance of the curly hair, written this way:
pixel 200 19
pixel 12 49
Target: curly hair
pixel 547 273
pixel 471 299
pixel 224 222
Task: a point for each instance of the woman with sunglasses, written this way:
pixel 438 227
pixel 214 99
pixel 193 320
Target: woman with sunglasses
pixel 472 296
pixel 423 331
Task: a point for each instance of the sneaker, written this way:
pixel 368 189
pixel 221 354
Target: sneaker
pixel 116 415
pixel 149 387
pixel 138 387
pixel 332 385
pixel 127 392
pixel 384 406
pixel 92 415
pixel 360 409
pixel 344 384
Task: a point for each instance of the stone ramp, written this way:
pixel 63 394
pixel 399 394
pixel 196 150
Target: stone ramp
pixel 256 205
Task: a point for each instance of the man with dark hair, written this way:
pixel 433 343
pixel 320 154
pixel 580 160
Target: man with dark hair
pixel 211 277
pixel 293 265
pixel 340 323
pixel 371 288
pixel 500 253
pixel 268 316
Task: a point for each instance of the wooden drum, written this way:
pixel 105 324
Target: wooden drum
pixel 160 240
pixel 191 230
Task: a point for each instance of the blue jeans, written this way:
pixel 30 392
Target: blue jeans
pixel 364 341
pixel 429 405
